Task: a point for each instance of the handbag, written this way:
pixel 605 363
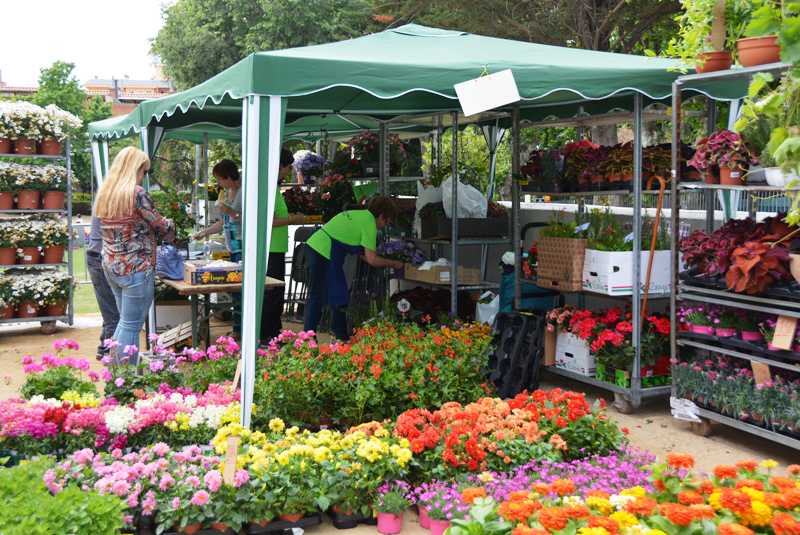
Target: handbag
pixel 169 263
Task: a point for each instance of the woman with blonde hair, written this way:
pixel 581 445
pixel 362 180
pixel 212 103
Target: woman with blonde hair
pixel 130 226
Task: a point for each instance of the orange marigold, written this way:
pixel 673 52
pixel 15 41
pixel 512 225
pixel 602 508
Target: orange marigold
pixel 752 483
pixel 690 497
pixel 562 487
pixel 747 465
pixel 541 488
pixel 706 486
pixel 641 506
pixel 791 498
pixel 782 483
pixel 469 495
pixel 735 501
pixel 703 511
pixel 578 511
pixel 680 460
pixel 725 472
pixel 609 524
pixel 597 493
pixel 734 529
pixel 553 518
pixel 785 524
pixel 678 514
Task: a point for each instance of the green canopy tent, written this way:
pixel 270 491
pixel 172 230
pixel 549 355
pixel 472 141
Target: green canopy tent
pixel 405 71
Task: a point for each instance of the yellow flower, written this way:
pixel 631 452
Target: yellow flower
pixel 624 519
pixel 76 398
pixel 593 531
pixel 755 495
pixel 654 532
pixel 715 500
pixel 636 492
pixel 276 425
pixel 600 504
pixel 485 477
pixel 768 464
pixel 758 516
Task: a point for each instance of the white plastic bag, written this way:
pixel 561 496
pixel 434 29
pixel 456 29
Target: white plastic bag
pixel 486 312
pixel 471 202
pixel 425 195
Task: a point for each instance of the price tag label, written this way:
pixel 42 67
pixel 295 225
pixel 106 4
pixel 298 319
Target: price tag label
pixel 581 228
pixel 230 460
pixel 784 332
pixel 629 237
pixel 761 373
pixel 487 92
pixel 237 375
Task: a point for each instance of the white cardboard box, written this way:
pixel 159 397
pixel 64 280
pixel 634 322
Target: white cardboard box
pixel 611 272
pixel 172 315
pixel 573 354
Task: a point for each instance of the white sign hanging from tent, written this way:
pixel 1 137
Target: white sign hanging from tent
pixel 487 92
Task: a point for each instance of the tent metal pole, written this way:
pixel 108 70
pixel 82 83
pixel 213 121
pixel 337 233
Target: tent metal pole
pixel 636 380
pixel 151 314
pixel 198 151
pixel 710 195
pixel 516 246
pixel 674 219
pixel 204 176
pixel 454 221
pixel 383 157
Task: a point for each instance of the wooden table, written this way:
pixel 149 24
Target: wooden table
pixel 201 292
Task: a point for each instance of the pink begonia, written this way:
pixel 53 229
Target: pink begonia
pixel 66 343
pixel 108 343
pixel 106 376
pixel 83 457
pixel 166 482
pixel 94 376
pixel 200 498
pixel 132 501
pixel 176 503
pixel 240 478
pixel 106 360
pixel 160 449
pixel 33 368
pixel 156 365
pixel 213 353
pixel 128 520
pixel 213 480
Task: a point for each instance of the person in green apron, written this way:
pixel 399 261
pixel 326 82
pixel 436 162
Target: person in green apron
pixel 350 232
pixel 272 309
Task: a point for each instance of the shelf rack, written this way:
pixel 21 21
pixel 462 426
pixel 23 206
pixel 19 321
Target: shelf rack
pixel 48 322
pixel 684 291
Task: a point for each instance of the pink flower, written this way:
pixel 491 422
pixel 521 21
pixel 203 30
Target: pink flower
pixel 153 338
pixel 213 480
pixel 176 503
pixel 200 498
pixel 193 481
pixel 119 381
pixel 130 350
pixel 156 365
pixel 241 477
pixel 166 482
pixel 106 376
pixel 93 376
pixel 120 488
pixel 160 449
pixel 149 503
pixel 27 359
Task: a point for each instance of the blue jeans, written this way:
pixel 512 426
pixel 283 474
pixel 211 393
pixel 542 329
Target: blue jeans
pixel 318 295
pixel 134 294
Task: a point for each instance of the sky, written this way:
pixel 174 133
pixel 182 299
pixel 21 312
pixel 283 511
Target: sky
pixel 103 38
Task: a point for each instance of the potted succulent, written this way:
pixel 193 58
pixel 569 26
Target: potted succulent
pixel 54 183
pixel 392 502
pixel 58 126
pixel 54 238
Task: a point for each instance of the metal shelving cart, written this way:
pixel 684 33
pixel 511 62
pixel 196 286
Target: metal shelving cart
pixel 48 323
pixel 686 291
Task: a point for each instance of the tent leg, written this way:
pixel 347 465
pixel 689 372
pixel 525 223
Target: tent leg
pixel 636 380
pixel 515 201
pixel 454 222
pixel 145 141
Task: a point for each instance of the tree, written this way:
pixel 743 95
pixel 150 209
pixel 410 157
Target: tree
pixel 58 85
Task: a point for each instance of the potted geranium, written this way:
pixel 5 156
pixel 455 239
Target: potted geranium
pixel 54 238
pixel 393 501
pixel 54 183
pixel 59 126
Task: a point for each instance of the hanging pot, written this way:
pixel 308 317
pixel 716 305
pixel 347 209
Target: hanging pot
pixel 794 266
pixel 714 61
pixel 53 200
pixel 28 199
pixel 6 200
pixel 5 145
pixel 57 309
pixel 6 313
pixel 30 256
pixel 731 177
pixel 53 254
pixel 390 524
pixel 50 146
pixel 8 256
pixel 27 309
pixel 758 50
pixel 24 145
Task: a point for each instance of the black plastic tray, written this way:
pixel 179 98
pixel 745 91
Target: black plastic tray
pixel 737 344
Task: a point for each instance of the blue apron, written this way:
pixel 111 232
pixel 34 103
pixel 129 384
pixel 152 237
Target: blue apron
pixel 338 293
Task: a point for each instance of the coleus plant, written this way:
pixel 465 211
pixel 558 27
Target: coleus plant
pixel 722 148
pixel 755 266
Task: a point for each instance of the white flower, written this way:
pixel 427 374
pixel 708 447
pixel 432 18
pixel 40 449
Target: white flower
pixel 619 501
pixel 119 418
pixel 403 306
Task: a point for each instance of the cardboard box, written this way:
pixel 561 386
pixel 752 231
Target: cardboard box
pixel 196 272
pixel 560 263
pixel 611 272
pixel 171 314
pixel 441 274
pixel 573 354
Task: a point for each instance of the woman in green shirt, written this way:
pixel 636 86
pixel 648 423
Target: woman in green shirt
pixel 350 232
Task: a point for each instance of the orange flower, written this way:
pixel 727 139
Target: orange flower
pixel 725 472
pixel 597 493
pixel 519 495
pixel 557 442
pixel 659 485
pixel 609 524
pixel 690 497
pixel 563 487
pixel 706 486
pixel 470 494
pixel 578 512
pixel 793 469
pixel 752 483
pixel 553 518
pixel 782 483
pixel 540 488
pixel 680 460
pixel 702 511
pixel 735 501
pixel 523 529
pixel 791 498
pixel 775 500
pixel 678 514
pixel 785 524
pixel 734 529
pixel 517 510
pixel 641 506
pixel 748 465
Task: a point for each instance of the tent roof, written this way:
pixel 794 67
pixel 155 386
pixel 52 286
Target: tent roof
pixel 402 71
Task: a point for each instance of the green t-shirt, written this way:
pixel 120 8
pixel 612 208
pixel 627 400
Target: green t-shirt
pixel 354 227
pixel 280 235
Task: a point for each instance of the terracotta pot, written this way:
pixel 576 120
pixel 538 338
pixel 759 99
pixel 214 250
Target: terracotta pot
pixel 6 200
pixel 710 177
pixel 30 256
pixel 53 254
pixel 794 266
pixel 24 145
pixel 291 517
pixel 192 528
pixel 53 200
pixel 758 50
pixel 732 177
pixel 8 256
pixel 222 527
pixel 438 527
pixel 752 336
pixel 6 313
pixel 424 519
pixel 262 523
pixel 28 199
pixel 390 524
pixel 5 145
pixel 59 309
pixel 50 146
pixel 692 175
pixel 714 61
pixel 27 309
